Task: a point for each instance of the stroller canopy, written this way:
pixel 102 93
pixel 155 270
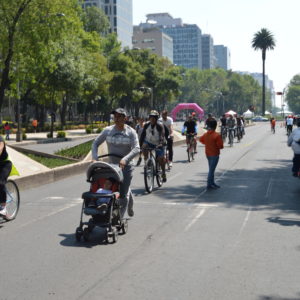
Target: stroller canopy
pixel 101 169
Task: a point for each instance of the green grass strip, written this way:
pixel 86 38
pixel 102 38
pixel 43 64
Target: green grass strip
pixel 50 162
pixel 77 152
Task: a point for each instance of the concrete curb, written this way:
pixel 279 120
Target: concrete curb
pixel 31 181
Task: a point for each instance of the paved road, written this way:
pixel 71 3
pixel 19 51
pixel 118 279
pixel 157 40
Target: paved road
pixel 238 242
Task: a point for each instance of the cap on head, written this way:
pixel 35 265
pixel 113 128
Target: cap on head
pixel 154 113
pixel 120 111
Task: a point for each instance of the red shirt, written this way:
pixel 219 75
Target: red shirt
pixel 213 143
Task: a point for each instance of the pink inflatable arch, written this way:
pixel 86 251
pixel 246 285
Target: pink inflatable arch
pixel 193 106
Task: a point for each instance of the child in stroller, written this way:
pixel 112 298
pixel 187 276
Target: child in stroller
pixel 101 203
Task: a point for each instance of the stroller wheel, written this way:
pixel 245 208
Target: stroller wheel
pixel 86 234
pixel 78 234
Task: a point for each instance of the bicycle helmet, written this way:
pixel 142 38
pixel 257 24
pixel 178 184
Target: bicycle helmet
pixel 154 113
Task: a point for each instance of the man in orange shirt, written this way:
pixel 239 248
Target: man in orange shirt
pixel 213 143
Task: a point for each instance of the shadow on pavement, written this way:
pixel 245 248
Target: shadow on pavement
pixel 277 298
pixel 271 188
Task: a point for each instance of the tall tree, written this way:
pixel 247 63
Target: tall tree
pixel 263 40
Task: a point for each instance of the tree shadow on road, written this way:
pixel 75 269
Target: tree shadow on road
pixel 273 189
pixel 277 298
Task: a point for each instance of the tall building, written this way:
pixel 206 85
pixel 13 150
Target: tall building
pixel 208 57
pixel 222 55
pixel 187 50
pixel 119 13
pixel 154 40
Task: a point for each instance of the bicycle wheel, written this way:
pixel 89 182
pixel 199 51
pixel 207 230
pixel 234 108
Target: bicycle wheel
pixel 158 174
pixel 167 159
pixel 149 175
pixel 230 139
pixel 189 153
pixel 12 200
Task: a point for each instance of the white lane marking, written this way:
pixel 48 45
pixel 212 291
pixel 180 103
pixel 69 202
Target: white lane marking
pixel 195 219
pixel 243 226
pixel 268 192
pixel 205 205
pixel 51 213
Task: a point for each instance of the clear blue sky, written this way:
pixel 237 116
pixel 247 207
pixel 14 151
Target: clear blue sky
pixel 233 23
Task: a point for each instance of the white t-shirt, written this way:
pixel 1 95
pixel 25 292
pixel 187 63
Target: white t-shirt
pixel 289 121
pixel 168 123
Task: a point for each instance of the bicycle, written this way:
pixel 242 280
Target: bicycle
pixel 190 146
pixel 12 200
pixel 167 159
pixel 230 136
pixel 289 129
pixel 239 134
pixel 224 133
pixel 152 169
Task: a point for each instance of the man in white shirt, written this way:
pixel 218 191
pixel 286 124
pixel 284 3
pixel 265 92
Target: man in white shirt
pixel 168 122
pixel 294 142
pixel 289 124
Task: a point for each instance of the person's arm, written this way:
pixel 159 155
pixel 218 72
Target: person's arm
pixel 97 142
pixel 202 139
pixel 1 147
pixel 290 139
pixel 219 142
pixel 135 147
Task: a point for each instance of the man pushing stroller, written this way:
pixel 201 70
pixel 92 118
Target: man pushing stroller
pixel 121 140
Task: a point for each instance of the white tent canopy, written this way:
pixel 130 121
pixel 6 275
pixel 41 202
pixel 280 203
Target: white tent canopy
pixel 267 113
pixel 248 114
pixel 230 112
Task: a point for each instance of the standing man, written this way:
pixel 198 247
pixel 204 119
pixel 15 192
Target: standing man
pixel 294 142
pixel 121 140
pixel 168 122
pixel 213 143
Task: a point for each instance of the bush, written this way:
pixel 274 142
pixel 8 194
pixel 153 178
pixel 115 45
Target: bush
pixel 49 135
pixel 99 129
pixel 61 134
pixel 88 130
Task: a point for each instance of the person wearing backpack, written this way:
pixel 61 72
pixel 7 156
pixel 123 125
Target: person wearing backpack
pixel 294 142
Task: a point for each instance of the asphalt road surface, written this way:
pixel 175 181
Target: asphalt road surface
pixel 238 242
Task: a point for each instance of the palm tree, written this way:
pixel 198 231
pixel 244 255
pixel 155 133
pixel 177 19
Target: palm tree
pixel 263 40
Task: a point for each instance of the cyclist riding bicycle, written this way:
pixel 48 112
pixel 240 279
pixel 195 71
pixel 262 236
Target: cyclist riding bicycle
pixel 223 121
pixel 121 140
pixel 168 122
pixel 239 125
pixel 6 169
pixel 153 136
pixel 190 128
pixel 231 126
pixel 289 124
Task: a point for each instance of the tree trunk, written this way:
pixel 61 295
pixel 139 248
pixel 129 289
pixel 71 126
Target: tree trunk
pixel 263 90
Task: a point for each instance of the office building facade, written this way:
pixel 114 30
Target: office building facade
pixel 154 40
pixel 187 49
pixel 223 58
pixel 208 56
pixel 119 13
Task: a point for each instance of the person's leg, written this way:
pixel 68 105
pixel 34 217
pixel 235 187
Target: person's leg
pixel 5 168
pixel 170 149
pixel 296 164
pixel 212 164
pixel 124 188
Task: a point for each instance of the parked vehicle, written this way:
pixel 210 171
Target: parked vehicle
pixel 260 119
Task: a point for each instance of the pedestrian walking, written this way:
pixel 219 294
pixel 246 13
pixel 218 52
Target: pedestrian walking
pixel 7 130
pixel 34 125
pixel 213 144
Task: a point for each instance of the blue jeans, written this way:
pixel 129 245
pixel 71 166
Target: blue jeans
pixel 212 164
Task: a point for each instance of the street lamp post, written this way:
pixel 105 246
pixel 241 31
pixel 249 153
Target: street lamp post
pixel 19 131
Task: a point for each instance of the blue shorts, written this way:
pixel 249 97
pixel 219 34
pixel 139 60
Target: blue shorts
pixel 159 152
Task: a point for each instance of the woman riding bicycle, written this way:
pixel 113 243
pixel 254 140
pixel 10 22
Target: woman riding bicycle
pixel 153 136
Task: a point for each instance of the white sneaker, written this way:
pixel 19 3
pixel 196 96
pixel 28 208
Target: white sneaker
pixel 170 164
pixel 3 211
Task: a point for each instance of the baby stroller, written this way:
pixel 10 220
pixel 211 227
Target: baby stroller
pixel 109 217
